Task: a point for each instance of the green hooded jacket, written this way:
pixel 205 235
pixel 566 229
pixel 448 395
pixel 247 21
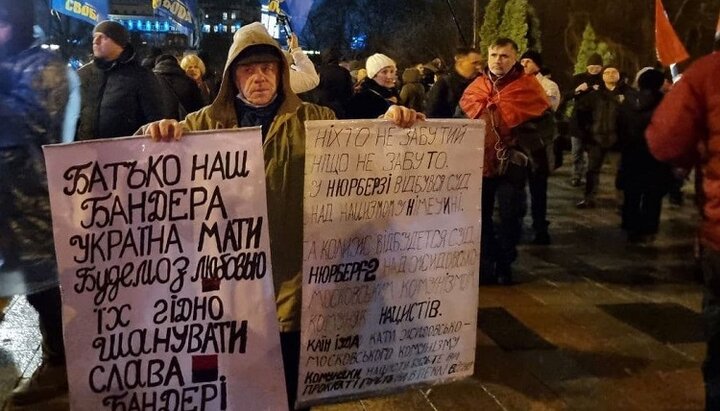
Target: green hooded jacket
pixel 284 151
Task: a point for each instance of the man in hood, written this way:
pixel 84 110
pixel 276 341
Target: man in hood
pixel 515 109
pixel 118 95
pixel 255 91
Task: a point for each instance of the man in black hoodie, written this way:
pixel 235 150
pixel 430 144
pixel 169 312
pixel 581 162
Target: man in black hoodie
pixel 118 95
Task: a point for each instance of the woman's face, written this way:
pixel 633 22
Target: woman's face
pixel 386 77
pixel 193 71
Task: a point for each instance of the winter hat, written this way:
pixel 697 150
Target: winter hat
pixel 595 60
pixel 21 16
pixel 650 79
pixel 534 56
pixel 377 62
pixel 114 30
pixel 259 53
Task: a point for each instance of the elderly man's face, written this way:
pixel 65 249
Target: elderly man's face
pixel 501 59
pixel 258 81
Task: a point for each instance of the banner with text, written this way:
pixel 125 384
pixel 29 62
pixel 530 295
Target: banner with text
pixel 164 261
pixel 91 11
pixel 391 256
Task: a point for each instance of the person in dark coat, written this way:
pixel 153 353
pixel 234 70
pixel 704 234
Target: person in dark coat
pixel 336 84
pixel 35 90
pixel 581 118
pixel 378 91
pixel 603 105
pixel 412 94
pixel 180 94
pixel 644 179
pixel 444 95
pixel 118 95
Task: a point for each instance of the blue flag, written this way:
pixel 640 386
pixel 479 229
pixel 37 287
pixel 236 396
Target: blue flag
pixel 91 11
pixel 180 11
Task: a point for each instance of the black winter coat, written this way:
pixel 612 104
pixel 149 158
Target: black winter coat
pixel 335 88
pixel 117 97
pixel 180 93
pixel 445 94
pixel 372 101
pixel 639 170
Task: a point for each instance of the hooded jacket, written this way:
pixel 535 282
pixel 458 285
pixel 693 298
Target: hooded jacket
pixel 117 97
pixel 284 152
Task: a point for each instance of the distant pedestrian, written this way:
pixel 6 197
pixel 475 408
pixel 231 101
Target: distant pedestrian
pixel 543 160
pixel 603 106
pixel 643 179
pixel 581 118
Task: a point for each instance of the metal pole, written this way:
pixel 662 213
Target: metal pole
pixel 476 15
pixel 452 11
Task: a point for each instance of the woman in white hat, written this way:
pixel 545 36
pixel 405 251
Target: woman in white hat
pixel 378 91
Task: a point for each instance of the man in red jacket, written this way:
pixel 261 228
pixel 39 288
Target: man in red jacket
pixel 508 100
pixel 685 131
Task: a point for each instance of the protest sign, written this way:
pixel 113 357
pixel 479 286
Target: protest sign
pixel 164 262
pixel 390 256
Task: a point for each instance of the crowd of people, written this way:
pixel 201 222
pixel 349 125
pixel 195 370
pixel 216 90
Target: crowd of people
pixel 263 85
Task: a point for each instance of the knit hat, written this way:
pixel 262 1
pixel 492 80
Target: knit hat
pixel 259 53
pixel 595 60
pixel 534 56
pixel 114 30
pixel 377 62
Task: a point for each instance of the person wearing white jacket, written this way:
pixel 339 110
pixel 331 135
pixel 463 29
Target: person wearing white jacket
pixel 303 76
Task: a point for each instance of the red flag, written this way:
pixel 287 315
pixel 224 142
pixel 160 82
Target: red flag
pixel 669 48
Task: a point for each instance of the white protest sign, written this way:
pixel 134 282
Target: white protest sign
pixel 164 262
pixel 390 257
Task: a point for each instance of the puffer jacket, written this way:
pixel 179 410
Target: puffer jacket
pixel 284 151
pixel 34 92
pixel 117 97
pixel 685 130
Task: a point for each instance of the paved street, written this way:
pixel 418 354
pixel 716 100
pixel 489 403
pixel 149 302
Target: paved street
pixel 594 323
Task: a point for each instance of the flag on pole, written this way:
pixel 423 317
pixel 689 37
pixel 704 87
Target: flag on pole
pixel 667 44
pixel 91 11
pixel 180 11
